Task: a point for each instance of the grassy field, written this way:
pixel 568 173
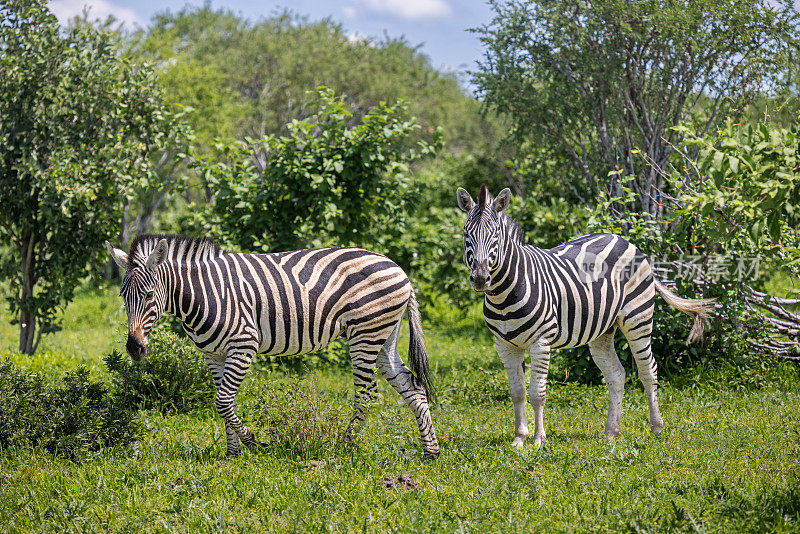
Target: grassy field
pixel 727 460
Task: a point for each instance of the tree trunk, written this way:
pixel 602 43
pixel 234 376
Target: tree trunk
pixel 27 332
pixel 27 318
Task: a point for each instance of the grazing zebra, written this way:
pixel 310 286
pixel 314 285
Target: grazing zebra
pixel 574 294
pixel 234 306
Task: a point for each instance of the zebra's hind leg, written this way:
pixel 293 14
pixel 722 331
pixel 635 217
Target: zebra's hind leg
pixel 513 359
pixel 235 367
pixel 363 356
pixel 604 355
pixel 402 380
pixel 639 339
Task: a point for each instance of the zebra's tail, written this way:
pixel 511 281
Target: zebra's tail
pixel 699 309
pixel 416 350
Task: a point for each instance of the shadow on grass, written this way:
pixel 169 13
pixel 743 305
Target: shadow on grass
pixel 774 510
pixel 765 512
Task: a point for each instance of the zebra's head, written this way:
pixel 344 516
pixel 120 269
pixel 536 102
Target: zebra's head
pixel 482 233
pixel 142 291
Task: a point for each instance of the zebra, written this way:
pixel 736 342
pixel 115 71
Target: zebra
pixel 575 294
pixel 235 305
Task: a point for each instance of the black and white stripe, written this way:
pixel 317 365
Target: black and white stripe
pixel 234 306
pixel 575 294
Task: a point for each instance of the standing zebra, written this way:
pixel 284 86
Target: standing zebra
pixel 234 306
pixel 574 294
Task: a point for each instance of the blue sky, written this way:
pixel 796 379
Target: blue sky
pixel 440 26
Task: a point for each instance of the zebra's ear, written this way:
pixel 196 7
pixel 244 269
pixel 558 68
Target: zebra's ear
pixel 159 255
pixel 465 201
pixel 118 256
pixel 502 200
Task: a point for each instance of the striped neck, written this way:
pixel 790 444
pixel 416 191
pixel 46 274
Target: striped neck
pixel 512 247
pixel 183 254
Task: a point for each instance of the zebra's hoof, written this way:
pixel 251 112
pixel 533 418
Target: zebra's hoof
pixel 430 455
pixel 519 442
pixel 254 443
pixel 230 455
pixel 612 433
pixel 656 428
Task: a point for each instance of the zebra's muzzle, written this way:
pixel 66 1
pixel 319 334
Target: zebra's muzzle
pixel 480 278
pixel 136 348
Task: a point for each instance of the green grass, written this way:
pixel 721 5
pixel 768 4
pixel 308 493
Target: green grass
pixel 92 325
pixel 727 460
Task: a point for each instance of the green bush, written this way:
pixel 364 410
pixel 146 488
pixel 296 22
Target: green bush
pixel 174 378
pixel 335 355
pixel 71 419
pixel 327 182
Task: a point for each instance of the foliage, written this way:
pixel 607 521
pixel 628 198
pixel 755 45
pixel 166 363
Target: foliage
pixel 325 182
pixel 734 223
pixel 747 188
pixel 174 377
pixel 74 419
pixel 335 355
pixel 249 78
pixel 599 85
pixel 79 124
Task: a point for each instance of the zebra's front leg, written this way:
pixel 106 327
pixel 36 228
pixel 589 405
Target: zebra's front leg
pixel 217 368
pixel 236 366
pixel 540 364
pixel 513 359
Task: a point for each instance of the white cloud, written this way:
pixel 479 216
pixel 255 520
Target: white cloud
pixel 64 10
pixel 356 38
pixel 349 12
pixel 408 9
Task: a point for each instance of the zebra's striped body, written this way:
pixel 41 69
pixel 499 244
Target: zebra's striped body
pixel 555 295
pixel 575 294
pixel 234 306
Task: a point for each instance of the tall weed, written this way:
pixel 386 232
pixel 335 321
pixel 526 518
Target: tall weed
pixel 299 420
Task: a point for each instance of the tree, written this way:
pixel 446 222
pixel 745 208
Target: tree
pixel 323 183
pixel 601 84
pixel 744 205
pixel 79 124
pixel 250 78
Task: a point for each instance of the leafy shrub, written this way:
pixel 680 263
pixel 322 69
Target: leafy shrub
pixel 174 378
pixel 326 182
pixel 71 419
pixel 299 421
pixel 335 355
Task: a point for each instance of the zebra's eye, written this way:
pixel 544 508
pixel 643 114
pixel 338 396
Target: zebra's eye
pixel 149 294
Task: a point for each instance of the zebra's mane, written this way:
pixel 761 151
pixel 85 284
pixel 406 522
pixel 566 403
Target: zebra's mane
pixel 513 229
pixel 512 226
pixel 180 248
